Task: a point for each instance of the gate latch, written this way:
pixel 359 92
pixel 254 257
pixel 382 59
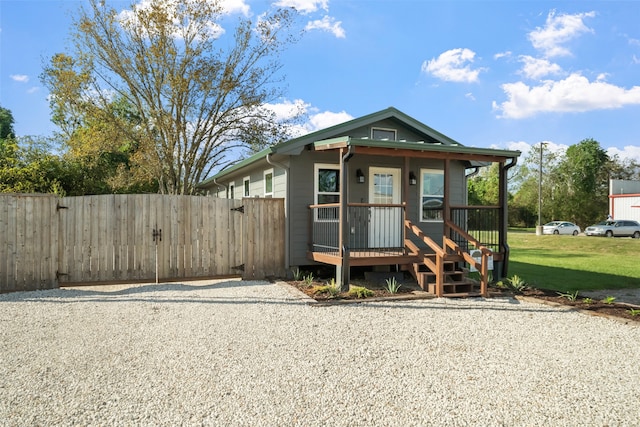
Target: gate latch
pixel 240 209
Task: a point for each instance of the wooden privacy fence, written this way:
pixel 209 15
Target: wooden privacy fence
pixel 46 241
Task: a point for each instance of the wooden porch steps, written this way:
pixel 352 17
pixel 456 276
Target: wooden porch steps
pixel 456 283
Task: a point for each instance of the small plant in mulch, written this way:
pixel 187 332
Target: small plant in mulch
pixel 297 274
pixel 634 312
pixel 391 285
pixel 329 290
pixel 308 280
pixel 571 296
pixel 587 300
pixel 515 283
pixel 360 292
pixel 609 300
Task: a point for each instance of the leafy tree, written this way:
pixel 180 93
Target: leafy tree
pixel 26 166
pixel 574 184
pixel 6 124
pixel 627 169
pixel 484 188
pixel 582 183
pixel 105 150
pixel 199 95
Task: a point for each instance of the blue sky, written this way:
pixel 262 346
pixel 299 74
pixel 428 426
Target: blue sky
pixel 505 74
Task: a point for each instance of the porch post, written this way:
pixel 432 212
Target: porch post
pixel 446 208
pixel 502 222
pixel 343 272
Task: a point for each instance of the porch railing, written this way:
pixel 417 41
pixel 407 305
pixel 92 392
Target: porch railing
pixel 373 228
pixel 480 222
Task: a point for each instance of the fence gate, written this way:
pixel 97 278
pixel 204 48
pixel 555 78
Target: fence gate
pixel 109 238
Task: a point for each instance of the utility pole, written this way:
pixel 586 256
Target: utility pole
pixel 539 227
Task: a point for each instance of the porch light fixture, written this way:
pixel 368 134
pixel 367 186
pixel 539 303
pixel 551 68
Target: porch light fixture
pixel 359 176
pixel 412 178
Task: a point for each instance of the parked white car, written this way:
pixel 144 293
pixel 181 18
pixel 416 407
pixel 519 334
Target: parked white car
pixel 561 227
pixel 616 228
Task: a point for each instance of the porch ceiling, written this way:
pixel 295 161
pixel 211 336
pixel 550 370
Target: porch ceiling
pixel 416 149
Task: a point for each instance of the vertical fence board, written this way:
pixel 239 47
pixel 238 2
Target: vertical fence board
pixel 164 249
pixel 205 244
pixel 4 238
pixel 12 238
pixel 250 248
pixel 85 245
pixel 220 224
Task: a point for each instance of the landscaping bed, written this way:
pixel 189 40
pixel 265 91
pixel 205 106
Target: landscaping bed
pixel 607 306
pixel 321 291
pixel 325 291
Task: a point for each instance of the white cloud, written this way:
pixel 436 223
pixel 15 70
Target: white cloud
pixel 235 6
pixel 286 110
pixel 33 89
pixel 328 24
pixel 453 66
pixel 628 152
pixel 535 68
pixel 21 78
pixel 304 6
pixel 558 30
pixel 502 55
pixel 573 94
pixel 636 60
pixel 470 96
pixel 521 146
pixel 326 119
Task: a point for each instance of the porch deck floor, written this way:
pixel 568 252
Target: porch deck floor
pixel 365 257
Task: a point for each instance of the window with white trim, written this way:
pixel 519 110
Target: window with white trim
pixel 245 185
pixel 383 134
pixel 431 194
pixel 268 182
pixel 327 189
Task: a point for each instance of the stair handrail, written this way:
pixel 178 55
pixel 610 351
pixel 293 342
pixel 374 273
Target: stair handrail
pixel 438 267
pixel 483 266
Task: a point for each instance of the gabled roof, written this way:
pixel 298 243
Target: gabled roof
pixel 294 146
pixel 431 138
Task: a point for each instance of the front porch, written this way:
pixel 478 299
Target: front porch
pixel 410 186
pixel 381 234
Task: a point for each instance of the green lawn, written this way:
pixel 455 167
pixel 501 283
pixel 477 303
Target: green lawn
pixel 567 263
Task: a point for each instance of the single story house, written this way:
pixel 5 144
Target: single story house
pixel 381 190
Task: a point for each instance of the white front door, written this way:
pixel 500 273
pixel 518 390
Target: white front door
pixel 385 227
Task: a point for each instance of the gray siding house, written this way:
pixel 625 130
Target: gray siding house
pixel 380 190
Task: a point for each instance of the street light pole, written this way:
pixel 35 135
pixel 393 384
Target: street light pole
pixel 539 227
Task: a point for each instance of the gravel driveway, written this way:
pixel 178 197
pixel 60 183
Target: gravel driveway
pixel 255 354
